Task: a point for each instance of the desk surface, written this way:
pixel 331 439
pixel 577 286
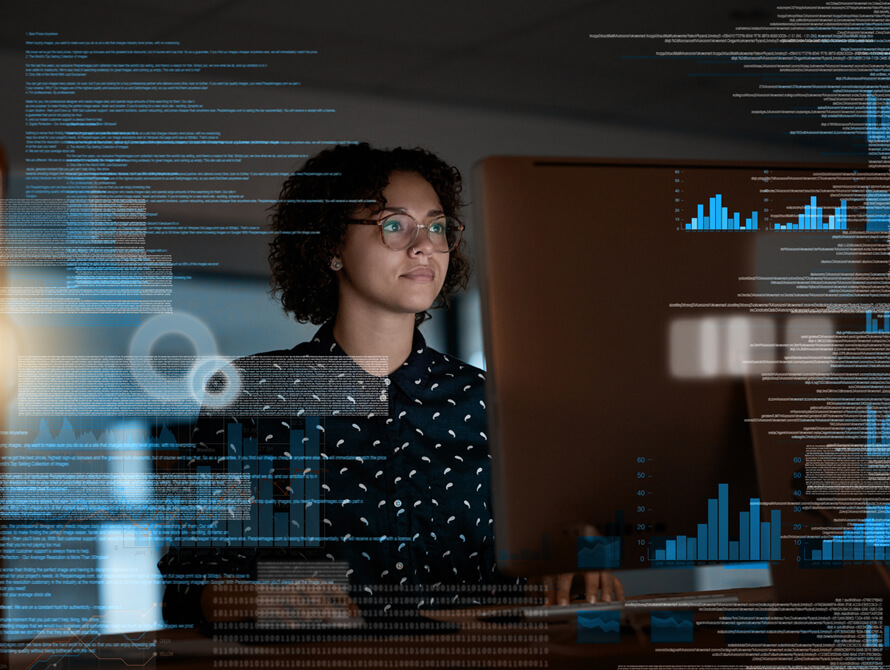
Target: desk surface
pixel 475 645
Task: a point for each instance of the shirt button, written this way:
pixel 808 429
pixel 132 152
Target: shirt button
pixel 397 503
pixel 399 565
pixel 387 381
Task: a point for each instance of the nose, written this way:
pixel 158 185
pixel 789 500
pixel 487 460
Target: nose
pixel 423 244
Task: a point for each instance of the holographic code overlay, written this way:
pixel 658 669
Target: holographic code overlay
pixel 172 386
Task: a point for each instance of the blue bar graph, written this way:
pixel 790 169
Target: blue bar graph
pixel 877 211
pixel 282 529
pixel 862 542
pixel 712 528
pixel 283 503
pixel 877 437
pixel 250 468
pixel 757 540
pixel 812 218
pixel 718 217
pixel 873 638
pixel 265 501
pixel 872 326
pixel 755 527
pixel 723 521
pixel 204 516
pixel 297 520
pixel 235 525
pixel 877 119
pixel 702 542
pixel 312 484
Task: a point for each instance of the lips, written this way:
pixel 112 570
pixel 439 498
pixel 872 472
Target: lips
pixel 421 274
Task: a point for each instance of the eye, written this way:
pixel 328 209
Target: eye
pixel 437 228
pixel 392 225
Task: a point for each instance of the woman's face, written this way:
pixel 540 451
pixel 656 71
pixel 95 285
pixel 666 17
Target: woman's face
pixel 376 279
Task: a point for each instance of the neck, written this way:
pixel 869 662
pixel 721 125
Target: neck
pixel 389 335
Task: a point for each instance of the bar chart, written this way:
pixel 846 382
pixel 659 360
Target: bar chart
pixel 874 639
pixel 718 217
pixel 757 540
pixel 872 325
pixel 282 508
pixel 863 541
pixel 877 119
pixel 877 207
pixel 812 218
pixel 877 436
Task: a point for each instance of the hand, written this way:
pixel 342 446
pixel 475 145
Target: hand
pixel 598 586
pixel 284 605
pixel 229 600
pixel 308 601
pixel 592 585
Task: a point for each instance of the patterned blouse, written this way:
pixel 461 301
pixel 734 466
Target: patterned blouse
pixel 406 497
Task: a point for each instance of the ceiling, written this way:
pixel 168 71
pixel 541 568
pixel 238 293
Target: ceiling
pixel 517 55
pixel 514 58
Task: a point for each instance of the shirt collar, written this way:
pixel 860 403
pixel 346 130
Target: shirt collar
pixel 411 377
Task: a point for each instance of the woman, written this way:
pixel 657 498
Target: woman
pixel 368 240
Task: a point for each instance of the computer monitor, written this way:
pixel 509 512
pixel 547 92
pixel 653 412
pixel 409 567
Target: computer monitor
pixel 623 301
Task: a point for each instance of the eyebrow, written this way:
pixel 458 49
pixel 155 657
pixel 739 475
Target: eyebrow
pixel 402 210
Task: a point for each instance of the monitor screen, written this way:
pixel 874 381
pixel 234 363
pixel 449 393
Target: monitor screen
pixel 624 302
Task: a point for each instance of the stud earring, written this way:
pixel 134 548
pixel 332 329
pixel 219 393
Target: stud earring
pixel 336 264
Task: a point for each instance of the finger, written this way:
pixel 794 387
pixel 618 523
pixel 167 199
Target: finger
pixel 299 605
pixel 549 583
pixel 610 587
pixel 310 601
pixel 536 587
pixel 337 603
pixel 319 603
pixel 607 586
pixel 353 609
pixel 563 587
pixel 347 603
pixel 592 586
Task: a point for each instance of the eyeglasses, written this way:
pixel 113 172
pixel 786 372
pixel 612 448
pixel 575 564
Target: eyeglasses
pixel 400 231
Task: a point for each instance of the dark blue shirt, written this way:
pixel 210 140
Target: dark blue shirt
pixel 412 488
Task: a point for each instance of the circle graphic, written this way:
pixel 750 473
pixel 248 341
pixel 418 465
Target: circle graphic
pixel 142 363
pixel 203 371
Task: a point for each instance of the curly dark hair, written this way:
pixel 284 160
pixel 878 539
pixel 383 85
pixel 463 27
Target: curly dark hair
pixel 318 199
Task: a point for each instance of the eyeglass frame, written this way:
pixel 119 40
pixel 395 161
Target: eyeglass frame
pixel 417 226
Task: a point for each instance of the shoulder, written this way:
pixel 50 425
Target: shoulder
pixel 321 344
pixel 453 365
pixel 302 349
pixel 451 371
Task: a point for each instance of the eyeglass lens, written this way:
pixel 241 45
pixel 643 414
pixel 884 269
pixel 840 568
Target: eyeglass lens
pixel 400 231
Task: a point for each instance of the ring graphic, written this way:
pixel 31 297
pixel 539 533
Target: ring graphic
pixel 206 369
pixel 178 387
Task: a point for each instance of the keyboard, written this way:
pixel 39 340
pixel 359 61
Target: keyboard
pixel 558 613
